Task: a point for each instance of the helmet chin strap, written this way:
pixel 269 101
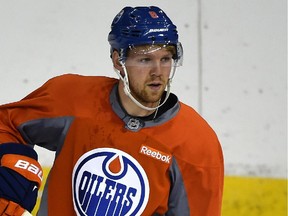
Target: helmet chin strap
pixel 127 90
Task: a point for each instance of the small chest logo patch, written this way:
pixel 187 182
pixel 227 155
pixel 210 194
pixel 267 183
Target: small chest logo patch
pixel 156 154
pixel 110 182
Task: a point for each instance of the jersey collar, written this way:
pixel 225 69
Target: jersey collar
pixel 137 123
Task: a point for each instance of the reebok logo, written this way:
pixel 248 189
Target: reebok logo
pixel 158 155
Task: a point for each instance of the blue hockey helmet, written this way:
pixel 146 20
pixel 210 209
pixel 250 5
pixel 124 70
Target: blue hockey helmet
pixel 143 26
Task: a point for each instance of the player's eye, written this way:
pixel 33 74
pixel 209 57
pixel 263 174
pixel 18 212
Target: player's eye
pixel 166 59
pixel 145 60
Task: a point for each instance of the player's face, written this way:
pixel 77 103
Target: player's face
pixel 148 72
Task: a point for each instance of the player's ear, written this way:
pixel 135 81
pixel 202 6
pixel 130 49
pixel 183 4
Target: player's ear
pixel 115 60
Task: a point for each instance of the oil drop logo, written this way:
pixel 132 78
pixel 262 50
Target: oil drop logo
pixel 110 182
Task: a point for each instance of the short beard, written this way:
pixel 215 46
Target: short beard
pixel 143 97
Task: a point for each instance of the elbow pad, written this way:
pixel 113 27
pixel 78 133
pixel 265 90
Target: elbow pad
pixel 20 174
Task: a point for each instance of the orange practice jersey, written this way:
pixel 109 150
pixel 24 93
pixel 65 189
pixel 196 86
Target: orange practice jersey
pixel 110 163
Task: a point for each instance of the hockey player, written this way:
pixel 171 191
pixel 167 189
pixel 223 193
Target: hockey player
pixel 123 147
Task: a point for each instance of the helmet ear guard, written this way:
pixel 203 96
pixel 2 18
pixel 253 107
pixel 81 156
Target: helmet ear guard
pixel 179 53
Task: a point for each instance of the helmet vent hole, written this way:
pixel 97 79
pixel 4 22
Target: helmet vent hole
pixel 131 33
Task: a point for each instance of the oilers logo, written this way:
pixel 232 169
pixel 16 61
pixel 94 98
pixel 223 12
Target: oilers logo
pixel 109 182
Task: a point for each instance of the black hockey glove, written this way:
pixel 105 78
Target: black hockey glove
pixel 20 174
